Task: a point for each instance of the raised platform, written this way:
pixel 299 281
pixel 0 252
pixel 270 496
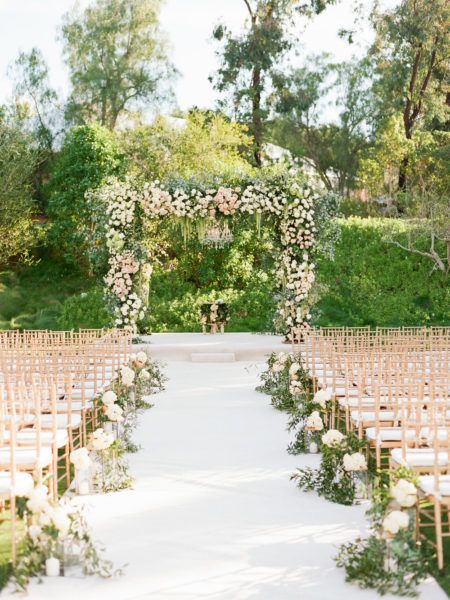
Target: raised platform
pixel 199 347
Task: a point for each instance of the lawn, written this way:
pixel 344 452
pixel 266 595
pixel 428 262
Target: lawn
pixel 32 297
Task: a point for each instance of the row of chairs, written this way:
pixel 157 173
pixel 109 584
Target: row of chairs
pixel 48 383
pixel 391 386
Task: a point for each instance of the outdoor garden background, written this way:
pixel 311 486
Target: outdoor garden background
pixel 370 136
pixel 382 162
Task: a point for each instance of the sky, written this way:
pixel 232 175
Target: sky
pixel 188 25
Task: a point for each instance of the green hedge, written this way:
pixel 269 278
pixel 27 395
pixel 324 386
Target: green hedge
pixel 372 282
pixel 369 282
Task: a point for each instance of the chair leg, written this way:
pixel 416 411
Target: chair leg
pixel 67 463
pixel 438 529
pixel 12 506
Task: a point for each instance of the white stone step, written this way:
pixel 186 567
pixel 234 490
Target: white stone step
pixel 213 357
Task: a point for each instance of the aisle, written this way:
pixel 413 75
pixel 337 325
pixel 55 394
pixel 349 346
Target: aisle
pixel 213 515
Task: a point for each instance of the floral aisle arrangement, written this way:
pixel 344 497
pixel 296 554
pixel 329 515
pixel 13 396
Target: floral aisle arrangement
pixel 102 466
pixel 128 395
pixel 127 207
pixel 309 420
pixel 290 388
pixel 391 559
pixel 56 534
pixel 338 478
pixel 214 315
pixel 285 381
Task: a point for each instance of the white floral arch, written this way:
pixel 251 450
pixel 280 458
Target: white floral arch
pixel 126 207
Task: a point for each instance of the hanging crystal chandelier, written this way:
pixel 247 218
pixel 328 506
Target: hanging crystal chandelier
pixel 216 235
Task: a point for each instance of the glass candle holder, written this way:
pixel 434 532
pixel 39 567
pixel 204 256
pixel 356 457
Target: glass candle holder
pixel 83 482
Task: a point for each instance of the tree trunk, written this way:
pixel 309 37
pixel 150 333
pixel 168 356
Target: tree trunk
pixel 402 179
pixel 402 175
pixel 256 115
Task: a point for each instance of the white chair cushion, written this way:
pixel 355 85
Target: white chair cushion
pixel 389 434
pixel 419 457
pixel 22 486
pixel 62 421
pixel 75 405
pixel 27 457
pixel 427 485
pixel 28 437
pixel 394 434
pixel 365 401
pixel 369 416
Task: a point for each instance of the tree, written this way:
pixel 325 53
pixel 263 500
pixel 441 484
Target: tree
pixel 248 61
pixel 332 149
pixel 37 108
pixel 89 155
pixel 411 50
pixel 201 145
pixel 117 58
pixel 17 163
pixel 32 89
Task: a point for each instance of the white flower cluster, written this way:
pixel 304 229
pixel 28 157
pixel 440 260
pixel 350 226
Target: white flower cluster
pixel 46 514
pixel 394 521
pixel 100 440
pixel 290 202
pixel 127 375
pixel 355 462
pixel 405 493
pixel 333 437
pixel 112 410
pixel 323 396
pixel 80 459
pixel 314 421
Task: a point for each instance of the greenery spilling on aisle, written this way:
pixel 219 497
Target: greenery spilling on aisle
pixel 390 560
pixel 58 531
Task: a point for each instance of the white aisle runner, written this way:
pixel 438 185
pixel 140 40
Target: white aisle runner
pixel 213 515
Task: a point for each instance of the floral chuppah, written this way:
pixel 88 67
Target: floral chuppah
pixel 125 208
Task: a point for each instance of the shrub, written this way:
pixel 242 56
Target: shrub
pixel 89 155
pixel 17 164
pixel 85 311
pixel 372 282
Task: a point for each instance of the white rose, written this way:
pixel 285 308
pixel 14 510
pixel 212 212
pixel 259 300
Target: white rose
pixel 282 357
pixel 141 357
pixel 294 368
pixel 276 367
pixel 61 521
pixel 322 397
pixel 109 398
pixel 127 375
pixel 38 499
pixel 45 518
pixel 332 437
pixel 145 375
pixel 80 459
pixel 34 531
pixel 314 421
pixel 100 440
pixel 355 462
pixel 395 521
pixel 114 413
pixel 405 493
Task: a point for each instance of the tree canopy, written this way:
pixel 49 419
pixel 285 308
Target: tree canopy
pixel 117 56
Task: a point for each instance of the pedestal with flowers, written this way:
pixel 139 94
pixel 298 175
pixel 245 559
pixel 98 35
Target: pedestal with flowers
pixel 214 316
